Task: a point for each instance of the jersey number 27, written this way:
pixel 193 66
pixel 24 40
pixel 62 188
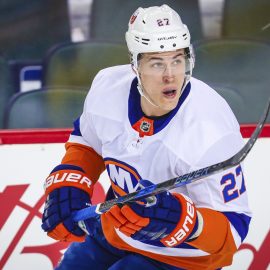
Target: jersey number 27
pixel 231 190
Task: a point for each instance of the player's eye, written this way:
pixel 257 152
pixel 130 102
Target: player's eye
pixel 158 65
pixel 177 62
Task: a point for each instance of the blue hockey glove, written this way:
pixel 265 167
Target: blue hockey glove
pixel 60 204
pixel 171 220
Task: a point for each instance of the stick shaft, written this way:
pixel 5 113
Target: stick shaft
pixel 178 181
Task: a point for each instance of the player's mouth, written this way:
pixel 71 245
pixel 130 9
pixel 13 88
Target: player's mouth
pixel 169 93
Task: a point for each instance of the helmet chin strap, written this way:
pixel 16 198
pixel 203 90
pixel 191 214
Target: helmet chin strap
pixel 140 89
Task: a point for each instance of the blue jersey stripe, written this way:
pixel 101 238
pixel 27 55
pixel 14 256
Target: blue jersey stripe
pixel 135 112
pixel 76 131
pixel 240 222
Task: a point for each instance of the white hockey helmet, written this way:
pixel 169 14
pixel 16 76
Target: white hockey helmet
pixel 157 29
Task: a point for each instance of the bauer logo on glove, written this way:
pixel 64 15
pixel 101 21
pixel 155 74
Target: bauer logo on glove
pixel 170 218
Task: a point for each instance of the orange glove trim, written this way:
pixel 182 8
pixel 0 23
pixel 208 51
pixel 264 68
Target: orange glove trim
pixel 115 211
pixel 72 178
pixel 62 234
pixel 133 226
pixel 185 225
pixel 126 220
pixel 127 231
pixel 115 222
pixel 133 217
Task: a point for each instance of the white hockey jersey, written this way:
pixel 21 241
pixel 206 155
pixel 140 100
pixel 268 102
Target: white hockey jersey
pixel 200 131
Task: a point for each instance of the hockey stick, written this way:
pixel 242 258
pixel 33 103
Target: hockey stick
pixel 178 181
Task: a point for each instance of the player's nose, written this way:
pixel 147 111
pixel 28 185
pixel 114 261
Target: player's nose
pixel 168 74
pixel 168 78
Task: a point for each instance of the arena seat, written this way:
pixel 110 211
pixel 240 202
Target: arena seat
pixel 246 19
pixel 76 64
pixel 44 108
pixel 235 100
pixel 29 28
pixel 237 64
pixel 6 89
pixel 109 19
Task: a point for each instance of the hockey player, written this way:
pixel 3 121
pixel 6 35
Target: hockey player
pixel 145 123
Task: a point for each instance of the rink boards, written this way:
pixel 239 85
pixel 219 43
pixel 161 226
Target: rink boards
pixel 26 158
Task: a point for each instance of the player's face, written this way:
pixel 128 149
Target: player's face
pixel 162 77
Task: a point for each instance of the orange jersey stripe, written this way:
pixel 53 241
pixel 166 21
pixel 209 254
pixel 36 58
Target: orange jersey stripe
pixel 216 235
pixel 60 232
pixel 118 189
pixel 121 192
pixel 221 257
pixel 86 158
pixel 124 167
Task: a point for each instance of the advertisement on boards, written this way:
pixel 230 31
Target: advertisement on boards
pixel 25 163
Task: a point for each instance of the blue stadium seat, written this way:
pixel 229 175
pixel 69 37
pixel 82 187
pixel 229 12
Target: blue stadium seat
pixel 76 64
pixel 44 108
pixel 29 28
pixel 235 100
pixel 246 19
pixel 237 64
pixel 109 19
pixel 6 89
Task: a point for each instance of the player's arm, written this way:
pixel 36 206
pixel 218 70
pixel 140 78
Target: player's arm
pixel 174 221
pixel 222 201
pixel 69 188
pixel 225 213
pixel 209 219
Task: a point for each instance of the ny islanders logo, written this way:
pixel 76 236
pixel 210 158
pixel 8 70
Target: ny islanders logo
pixel 124 178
